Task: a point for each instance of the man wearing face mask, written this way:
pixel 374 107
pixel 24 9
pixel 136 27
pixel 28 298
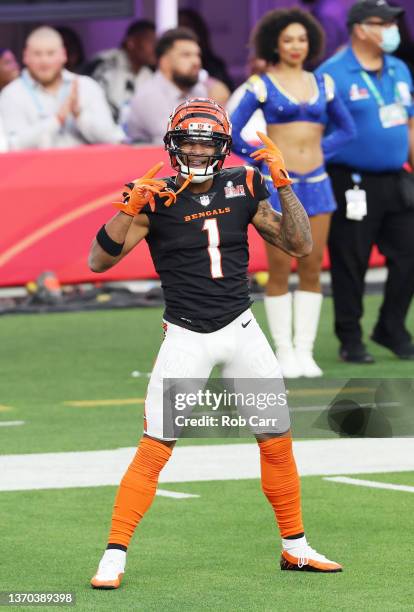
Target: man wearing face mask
pixel 366 176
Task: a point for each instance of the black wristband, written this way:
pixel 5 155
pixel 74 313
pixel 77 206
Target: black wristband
pixel 107 244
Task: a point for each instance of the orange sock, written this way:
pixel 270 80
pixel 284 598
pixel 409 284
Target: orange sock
pixel 281 484
pixel 137 489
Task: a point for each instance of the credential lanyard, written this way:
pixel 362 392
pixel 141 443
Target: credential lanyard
pixel 63 92
pixel 374 89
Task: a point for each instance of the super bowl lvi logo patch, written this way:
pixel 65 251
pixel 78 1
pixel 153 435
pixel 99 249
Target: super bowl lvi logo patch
pixel 358 93
pixel 233 191
pixel 404 93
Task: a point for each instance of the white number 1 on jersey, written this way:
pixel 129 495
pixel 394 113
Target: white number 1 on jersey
pixel 210 226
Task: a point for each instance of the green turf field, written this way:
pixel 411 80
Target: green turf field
pixel 49 360
pixel 218 551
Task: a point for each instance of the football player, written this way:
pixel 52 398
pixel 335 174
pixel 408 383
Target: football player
pixel 195 224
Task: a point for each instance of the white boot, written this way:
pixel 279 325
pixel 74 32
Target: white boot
pixel 307 308
pixel 279 317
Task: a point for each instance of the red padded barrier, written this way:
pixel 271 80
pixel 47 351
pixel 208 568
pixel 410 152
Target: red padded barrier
pixel 53 202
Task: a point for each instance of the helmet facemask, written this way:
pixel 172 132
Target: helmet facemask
pixel 201 166
pixel 198 121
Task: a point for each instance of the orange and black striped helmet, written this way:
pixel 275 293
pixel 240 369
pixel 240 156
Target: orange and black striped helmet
pixel 200 120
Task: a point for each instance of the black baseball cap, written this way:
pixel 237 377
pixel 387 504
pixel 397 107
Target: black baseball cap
pixel 364 9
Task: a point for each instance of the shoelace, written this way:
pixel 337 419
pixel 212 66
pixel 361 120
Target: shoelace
pixel 303 559
pixel 307 552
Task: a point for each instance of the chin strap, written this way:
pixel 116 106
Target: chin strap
pixel 172 195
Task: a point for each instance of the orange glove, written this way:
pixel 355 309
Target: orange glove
pixel 141 192
pixel 272 156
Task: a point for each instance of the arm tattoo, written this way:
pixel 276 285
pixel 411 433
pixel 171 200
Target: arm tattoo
pixel 295 222
pixel 267 222
pixel 290 231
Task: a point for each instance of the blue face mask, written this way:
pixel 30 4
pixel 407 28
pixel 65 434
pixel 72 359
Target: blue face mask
pixel 390 39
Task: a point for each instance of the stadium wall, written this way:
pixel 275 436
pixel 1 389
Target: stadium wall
pixel 53 202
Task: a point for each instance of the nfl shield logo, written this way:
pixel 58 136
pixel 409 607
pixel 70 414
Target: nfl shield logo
pixel 204 200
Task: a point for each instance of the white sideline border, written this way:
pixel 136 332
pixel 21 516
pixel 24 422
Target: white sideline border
pixel 204 463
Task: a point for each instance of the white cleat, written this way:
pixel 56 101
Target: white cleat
pixel 288 362
pixel 110 571
pixel 306 559
pixel 307 364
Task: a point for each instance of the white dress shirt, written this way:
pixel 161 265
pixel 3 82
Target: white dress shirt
pixel 153 104
pixel 3 140
pixel 29 114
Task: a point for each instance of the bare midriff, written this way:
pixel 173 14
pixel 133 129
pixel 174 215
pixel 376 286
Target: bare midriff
pixel 300 143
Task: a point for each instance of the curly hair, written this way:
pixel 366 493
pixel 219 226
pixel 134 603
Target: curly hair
pixel 266 34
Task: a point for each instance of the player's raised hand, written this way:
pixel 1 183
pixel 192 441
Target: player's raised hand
pixel 172 195
pixel 151 172
pixel 272 156
pixel 141 191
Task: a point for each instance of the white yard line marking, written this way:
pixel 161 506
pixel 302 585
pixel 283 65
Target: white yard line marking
pixel 174 494
pixel 373 484
pixel 204 463
pixel 138 374
pixel 296 392
pixel 318 408
pixel 107 402
pixel 11 423
pixel 330 391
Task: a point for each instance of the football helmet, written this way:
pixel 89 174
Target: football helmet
pixel 198 120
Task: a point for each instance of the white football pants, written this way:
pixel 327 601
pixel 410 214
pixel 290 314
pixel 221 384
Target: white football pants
pixel 240 347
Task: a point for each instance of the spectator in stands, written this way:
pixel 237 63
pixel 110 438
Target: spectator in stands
pixel 295 104
pixel 367 180
pixel 177 78
pixel 75 54
pixel 48 106
pixel 214 65
pixel 9 68
pixel 121 72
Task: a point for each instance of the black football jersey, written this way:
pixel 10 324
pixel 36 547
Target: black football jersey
pixel 199 248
